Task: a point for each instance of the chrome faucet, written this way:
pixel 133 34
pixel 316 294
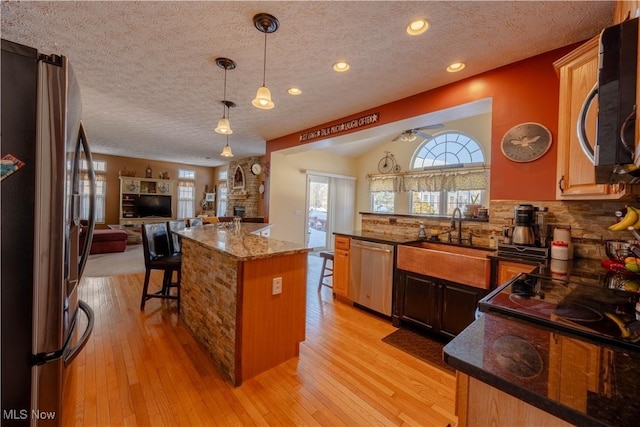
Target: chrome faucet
pixel 453 224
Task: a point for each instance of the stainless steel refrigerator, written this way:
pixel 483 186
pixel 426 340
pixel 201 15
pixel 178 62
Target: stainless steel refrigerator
pixel 44 324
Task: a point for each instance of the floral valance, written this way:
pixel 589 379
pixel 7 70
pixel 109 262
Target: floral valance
pixel 431 181
pixel 385 183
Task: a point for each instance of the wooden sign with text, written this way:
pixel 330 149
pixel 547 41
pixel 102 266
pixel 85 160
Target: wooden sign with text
pixel 341 127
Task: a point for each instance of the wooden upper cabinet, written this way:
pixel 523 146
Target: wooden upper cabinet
pixel 578 72
pixel 623 9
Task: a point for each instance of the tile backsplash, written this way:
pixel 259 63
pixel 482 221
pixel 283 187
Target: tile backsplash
pixel 589 222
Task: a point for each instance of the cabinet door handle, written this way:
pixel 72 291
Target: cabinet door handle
pixel 581 125
pixel 561 184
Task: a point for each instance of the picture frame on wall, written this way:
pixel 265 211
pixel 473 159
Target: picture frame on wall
pixel 210 197
pixel 238 178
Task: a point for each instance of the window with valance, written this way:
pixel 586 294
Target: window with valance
pixel 447 171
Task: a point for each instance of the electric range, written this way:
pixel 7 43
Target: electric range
pixel 588 308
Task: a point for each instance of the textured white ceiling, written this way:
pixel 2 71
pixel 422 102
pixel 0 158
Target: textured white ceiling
pixel 151 88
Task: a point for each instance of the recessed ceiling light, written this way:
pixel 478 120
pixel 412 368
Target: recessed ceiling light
pixel 341 66
pixel 418 27
pixel 294 91
pixel 456 66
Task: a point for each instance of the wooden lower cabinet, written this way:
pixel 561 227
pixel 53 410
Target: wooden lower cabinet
pixel 507 270
pixel 419 300
pixel 437 305
pixel 479 404
pixel 341 261
pixel 459 305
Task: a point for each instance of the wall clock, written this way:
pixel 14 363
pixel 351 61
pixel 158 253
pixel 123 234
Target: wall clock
pixel 256 168
pixel 526 142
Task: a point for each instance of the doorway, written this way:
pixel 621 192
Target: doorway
pixel 317 208
pixel 330 207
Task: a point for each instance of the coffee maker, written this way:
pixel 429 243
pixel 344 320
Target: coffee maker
pixel 524 229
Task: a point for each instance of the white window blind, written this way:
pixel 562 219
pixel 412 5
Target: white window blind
pixel 222 199
pixel 100 167
pixel 186 199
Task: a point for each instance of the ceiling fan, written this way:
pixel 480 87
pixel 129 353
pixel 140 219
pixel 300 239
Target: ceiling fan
pixel 410 135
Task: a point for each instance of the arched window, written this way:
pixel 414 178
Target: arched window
pixel 452 155
pixel 446 149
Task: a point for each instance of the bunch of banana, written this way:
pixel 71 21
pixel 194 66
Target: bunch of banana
pixel 624 331
pixel 630 219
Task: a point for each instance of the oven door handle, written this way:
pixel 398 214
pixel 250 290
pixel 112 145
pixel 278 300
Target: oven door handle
pixel 581 125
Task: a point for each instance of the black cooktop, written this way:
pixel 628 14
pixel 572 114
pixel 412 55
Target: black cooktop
pixel 590 309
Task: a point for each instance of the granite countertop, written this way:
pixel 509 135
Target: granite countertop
pixel 613 401
pixel 241 245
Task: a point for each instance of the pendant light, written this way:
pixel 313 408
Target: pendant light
pixel 224 127
pixel 226 151
pixel 266 24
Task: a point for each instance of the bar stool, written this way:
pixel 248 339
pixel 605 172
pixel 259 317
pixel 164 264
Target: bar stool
pixel 325 271
pixel 158 256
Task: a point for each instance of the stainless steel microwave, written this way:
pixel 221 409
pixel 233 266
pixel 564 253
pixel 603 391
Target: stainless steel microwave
pixel 616 153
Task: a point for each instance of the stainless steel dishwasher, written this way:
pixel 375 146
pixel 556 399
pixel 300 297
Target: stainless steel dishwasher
pixel 371 275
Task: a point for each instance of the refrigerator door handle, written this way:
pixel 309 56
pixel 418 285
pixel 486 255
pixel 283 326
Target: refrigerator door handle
pixel 42 358
pixel 82 141
pixel 72 352
pixel 68 353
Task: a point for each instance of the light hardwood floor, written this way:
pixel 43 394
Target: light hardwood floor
pixel 144 368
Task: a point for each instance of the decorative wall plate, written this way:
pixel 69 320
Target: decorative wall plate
pixel 526 142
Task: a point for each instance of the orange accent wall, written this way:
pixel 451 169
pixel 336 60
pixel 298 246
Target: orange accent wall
pixel 525 91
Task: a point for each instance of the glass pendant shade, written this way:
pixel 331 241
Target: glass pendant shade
pixel 224 127
pixel 263 99
pixel 408 137
pixel 226 151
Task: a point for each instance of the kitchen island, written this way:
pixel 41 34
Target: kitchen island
pixel 232 302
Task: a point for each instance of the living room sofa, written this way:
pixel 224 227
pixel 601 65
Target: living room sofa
pixel 104 241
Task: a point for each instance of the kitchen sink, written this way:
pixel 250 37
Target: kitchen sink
pixel 460 264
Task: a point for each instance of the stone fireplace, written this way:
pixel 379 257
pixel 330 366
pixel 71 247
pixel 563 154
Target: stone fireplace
pixel 239 211
pixel 243 201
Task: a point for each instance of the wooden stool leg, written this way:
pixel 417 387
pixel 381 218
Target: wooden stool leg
pixel 324 264
pixel 178 288
pixel 145 288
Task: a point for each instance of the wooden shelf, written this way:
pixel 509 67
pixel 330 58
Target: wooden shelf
pixel 238 196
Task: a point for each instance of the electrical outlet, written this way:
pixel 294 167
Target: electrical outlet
pixel 276 286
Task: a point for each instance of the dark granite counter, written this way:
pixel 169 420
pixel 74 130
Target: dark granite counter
pixel 540 366
pixel 391 239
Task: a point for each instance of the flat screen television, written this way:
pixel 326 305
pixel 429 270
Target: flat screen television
pixel 153 205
